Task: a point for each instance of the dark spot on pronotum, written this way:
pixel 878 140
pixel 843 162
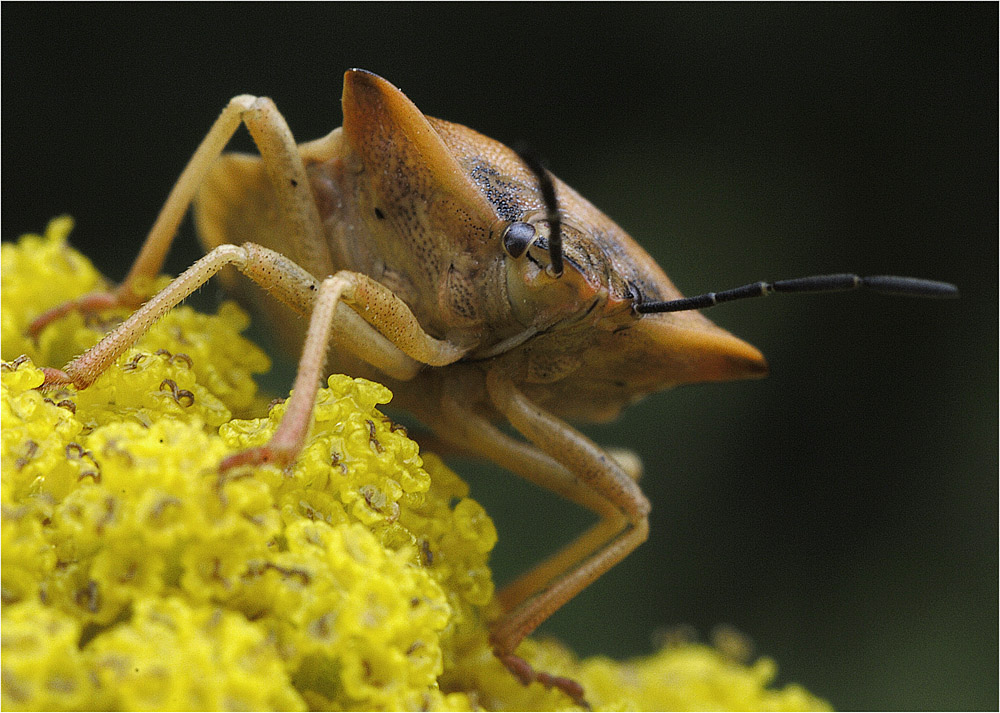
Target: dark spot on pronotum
pixel 379 214
pixel 295 184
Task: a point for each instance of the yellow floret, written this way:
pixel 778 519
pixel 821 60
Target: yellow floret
pixel 136 576
pixel 175 655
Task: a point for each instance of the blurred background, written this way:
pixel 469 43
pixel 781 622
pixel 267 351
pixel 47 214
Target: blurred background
pixel 841 513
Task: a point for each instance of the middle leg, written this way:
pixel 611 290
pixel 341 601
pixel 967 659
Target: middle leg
pixel 562 460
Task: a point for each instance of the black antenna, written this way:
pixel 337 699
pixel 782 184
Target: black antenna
pixel 532 161
pixel 884 284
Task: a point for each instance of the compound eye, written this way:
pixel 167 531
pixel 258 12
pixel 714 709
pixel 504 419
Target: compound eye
pixel 517 237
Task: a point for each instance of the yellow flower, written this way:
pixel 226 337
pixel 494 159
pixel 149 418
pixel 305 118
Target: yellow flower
pixel 137 576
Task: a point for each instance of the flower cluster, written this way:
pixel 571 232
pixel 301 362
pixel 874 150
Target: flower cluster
pixel 137 576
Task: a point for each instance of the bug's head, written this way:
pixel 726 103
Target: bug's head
pixel 542 292
pixel 569 256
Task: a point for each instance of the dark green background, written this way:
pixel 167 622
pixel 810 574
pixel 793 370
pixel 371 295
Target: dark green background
pixel 843 512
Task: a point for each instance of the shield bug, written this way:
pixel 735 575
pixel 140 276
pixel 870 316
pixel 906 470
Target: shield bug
pixel 476 285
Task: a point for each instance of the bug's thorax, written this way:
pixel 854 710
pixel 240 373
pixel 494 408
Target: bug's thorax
pixel 418 204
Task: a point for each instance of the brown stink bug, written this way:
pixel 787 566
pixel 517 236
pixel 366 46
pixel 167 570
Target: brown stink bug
pixel 477 286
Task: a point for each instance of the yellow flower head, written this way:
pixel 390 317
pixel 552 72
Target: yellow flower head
pixel 137 576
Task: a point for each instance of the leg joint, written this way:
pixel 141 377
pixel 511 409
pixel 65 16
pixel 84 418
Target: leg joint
pixel 346 281
pixel 243 102
pixel 642 509
pixel 236 255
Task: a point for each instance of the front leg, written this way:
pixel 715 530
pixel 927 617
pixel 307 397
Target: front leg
pixel 391 337
pixel 349 307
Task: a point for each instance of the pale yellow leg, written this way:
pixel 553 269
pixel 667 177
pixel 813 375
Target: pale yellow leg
pixel 387 316
pixel 476 434
pixel 628 460
pixel 516 592
pixel 624 526
pixel 388 336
